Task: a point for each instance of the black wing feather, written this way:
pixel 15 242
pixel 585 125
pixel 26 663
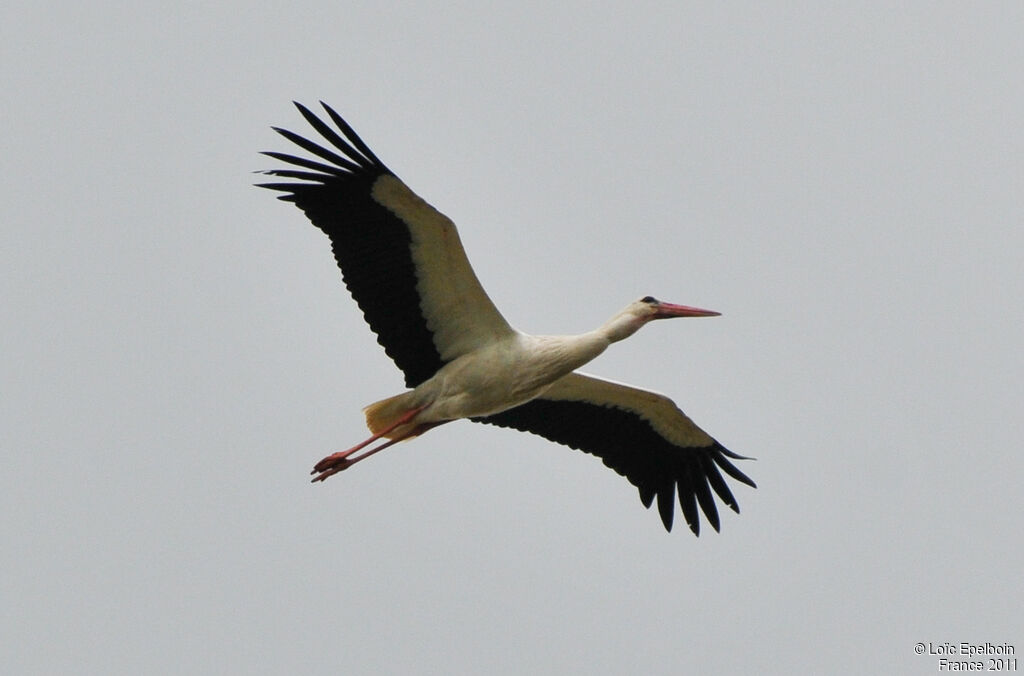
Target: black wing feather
pixel 351 134
pixel 303 162
pixel 630 446
pixel 370 243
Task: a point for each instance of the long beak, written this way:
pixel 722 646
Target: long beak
pixel 667 310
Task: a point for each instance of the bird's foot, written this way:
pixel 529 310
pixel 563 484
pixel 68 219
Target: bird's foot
pixel 338 462
pixel 335 461
pixel 331 465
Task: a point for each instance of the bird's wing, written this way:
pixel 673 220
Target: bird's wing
pixel 401 259
pixel 641 435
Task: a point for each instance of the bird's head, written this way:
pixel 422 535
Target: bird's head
pixel 649 308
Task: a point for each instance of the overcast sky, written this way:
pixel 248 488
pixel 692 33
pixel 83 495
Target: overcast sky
pixel 845 185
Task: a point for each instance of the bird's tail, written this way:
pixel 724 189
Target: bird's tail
pixel 383 414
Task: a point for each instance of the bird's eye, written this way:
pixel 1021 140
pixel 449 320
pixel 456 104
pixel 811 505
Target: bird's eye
pixel 650 300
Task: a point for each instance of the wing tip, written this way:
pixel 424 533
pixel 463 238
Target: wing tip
pixel 697 491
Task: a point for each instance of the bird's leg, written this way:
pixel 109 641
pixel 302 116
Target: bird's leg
pixel 326 469
pixel 341 455
pixel 336 465
pixel 339 461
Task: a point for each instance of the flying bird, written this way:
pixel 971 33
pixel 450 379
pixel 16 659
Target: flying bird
pixel 404 265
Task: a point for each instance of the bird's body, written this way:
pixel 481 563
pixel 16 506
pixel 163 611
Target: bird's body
pixel 503 373
pixel 403 262
pixel 499 375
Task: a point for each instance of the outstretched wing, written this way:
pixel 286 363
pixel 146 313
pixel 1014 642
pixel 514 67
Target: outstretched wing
pixel 401 259
pixel 641 435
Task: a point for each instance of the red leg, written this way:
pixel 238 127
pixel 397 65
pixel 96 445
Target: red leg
pixel 336 458
pixel 338 462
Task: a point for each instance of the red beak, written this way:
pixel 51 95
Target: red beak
pixel 667 310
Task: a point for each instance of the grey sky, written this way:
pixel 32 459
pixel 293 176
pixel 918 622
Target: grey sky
pixel 844 185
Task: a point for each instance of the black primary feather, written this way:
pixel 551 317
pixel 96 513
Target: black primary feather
pixel 370 243
pixel 631 447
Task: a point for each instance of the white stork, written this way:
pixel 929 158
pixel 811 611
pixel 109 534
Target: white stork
pixel 404 264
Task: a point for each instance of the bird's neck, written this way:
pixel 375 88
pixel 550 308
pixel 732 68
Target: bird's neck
pixel 563 354
pixel 586 346
pixel 619 327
